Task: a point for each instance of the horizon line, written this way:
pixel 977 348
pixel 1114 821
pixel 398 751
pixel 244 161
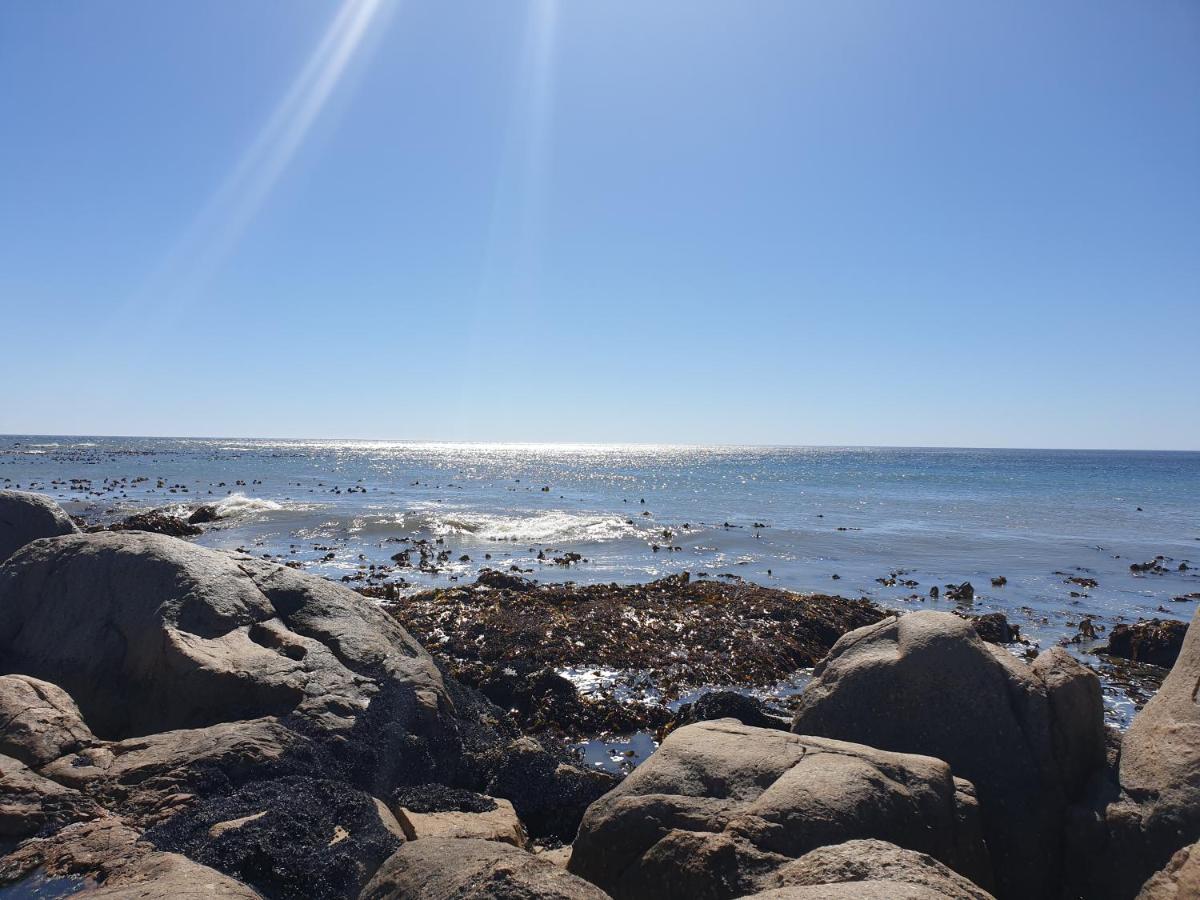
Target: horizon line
pixel 616 443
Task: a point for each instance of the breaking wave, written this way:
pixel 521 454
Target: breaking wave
pixel 240 505
pixel 550 527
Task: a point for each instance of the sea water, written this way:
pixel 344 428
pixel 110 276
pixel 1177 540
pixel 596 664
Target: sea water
pixel 788 517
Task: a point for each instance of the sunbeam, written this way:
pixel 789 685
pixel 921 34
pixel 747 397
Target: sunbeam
pixel 223 220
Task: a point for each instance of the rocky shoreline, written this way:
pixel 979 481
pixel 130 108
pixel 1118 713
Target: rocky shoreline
pixel 178 721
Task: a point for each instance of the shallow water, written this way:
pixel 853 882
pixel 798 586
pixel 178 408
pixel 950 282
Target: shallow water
pixel 936 516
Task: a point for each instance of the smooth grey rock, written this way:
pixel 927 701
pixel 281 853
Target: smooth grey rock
pixel 149 633
pixel 472 869
pixel 25 517
pixel 722 805
pixel 870 868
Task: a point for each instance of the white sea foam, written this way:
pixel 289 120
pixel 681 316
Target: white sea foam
pixel 240 505
pixel 550 527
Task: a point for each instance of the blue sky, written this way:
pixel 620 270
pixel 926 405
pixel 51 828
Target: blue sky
pixel 922 222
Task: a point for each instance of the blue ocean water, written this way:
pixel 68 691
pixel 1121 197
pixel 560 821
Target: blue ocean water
pixel 936 516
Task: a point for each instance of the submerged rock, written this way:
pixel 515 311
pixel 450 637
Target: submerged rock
pixel 926 683
pixel 722 806
pixel 25 517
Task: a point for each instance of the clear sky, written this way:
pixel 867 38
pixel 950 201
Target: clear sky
pixel 911 222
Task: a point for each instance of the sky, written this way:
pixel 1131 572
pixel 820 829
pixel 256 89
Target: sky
pixel 919 222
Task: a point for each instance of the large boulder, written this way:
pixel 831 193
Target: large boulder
pixel 868 869
pixel 1027 737
pixel 25 517
pixel 148 633
pixel 721 806
pixel 468 869
pixel 1158 810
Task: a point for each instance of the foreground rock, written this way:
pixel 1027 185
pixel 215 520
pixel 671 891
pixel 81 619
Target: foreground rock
pixel 1158 809
pixel 25 517
pixel 149 634
pixel 252 717
pixel 1178 881
pixel 722 807
pixel 869 870
pixel 40 721
pixel 441 868
pixel 1027 737
pixel 108 852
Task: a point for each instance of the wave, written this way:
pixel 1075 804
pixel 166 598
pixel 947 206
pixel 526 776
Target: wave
pixel 549 527
pixel 240 505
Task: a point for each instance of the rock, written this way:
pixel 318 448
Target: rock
pixel 202 515
pixel 1153 641
pixel 549 795
pixel 497 824
pixel 109 853
pixel 25 517
pixel 1178 881
pixel 173 652
pixel 150 634
pixel 156 521
pixel 870 868
pixel 31 804
pixel 961 593
pixel 1158 811
pixel 995 629
pixel 1076 717
pixel 291 837
pixel 722 805
pixel 441 868
pixel 926 683
pixel 726 705
pixel 154 776
pixel 39 722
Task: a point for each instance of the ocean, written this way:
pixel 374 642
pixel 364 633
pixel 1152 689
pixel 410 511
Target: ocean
pixel 790 517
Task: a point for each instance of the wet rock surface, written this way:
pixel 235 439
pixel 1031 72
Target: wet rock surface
pixel 287 838
pixel 156 521
pixel 1155 642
